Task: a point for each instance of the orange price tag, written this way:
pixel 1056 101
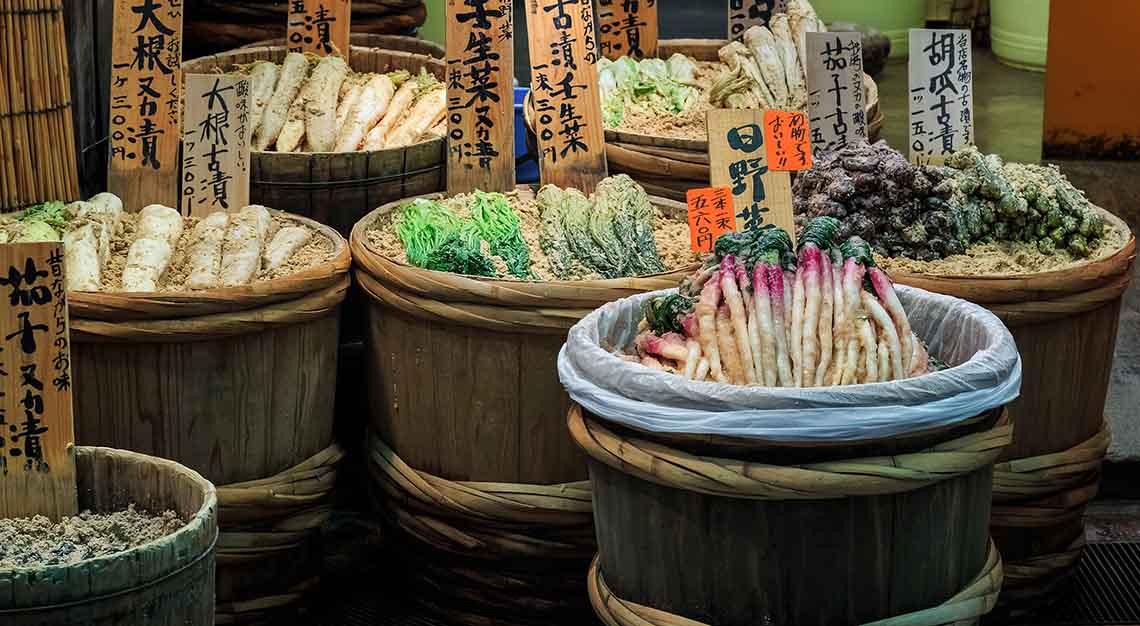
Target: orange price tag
pixel 710 216
pixel 788 140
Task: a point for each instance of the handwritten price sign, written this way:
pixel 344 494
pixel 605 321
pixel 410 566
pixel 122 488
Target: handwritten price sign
pixel 787 141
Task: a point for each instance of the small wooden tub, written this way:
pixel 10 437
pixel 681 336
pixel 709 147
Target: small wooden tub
pixel 1065 325
pixel 468 448
pixel 235 383
pixel 703 530
pixel 669 167
pixel 338 188
pixel 168 581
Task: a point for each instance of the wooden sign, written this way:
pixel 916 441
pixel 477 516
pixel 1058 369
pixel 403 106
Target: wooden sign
pixel 146 102
pixel 941 94
pixel 836 101
pixel 738 160
pixel 744 14
pixel 710 216
pixel 564 80
pixel 215 144
pixel 37 459
pixel 319 26
pixel 627 28
pixel 480 96
pixel 786 141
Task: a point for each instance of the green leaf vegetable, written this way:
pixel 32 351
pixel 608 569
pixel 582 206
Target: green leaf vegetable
pixel 658 85
pixel 499 225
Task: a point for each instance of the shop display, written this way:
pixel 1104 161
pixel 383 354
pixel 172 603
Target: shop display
pixel 311 104
pixel 558 234
pixel 975 215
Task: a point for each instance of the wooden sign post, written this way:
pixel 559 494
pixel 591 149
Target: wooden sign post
pixel 146 102
pixel 568 108
pixel 835 90
pixel 628 28
pixel 37 459
pixel 941 94
pixel 744 14
pixel 480 96
pixel 215 144
pixel 319 26
pixel 738 160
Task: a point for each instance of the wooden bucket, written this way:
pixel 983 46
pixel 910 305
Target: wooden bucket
pixel 238 384
pixel 339 188
pixel 1065 325
pixel 403 43
pixel 168 581
pixel 694 532
pixel 468 450
pixel 669 167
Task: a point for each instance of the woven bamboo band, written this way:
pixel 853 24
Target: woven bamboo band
pixel 817 481
pixel 1025 313
pixel 1049 489
pixel 977 599
pixel 485 520
pixel 270 517
pixel 310 307
pixel 1033 571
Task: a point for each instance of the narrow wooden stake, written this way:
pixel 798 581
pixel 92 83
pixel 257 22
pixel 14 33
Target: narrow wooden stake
pixel 319 26
pixel 215 144
pixel 146 103
pixel 738 160
pixel 480 96
pixel 941 94
pixel 744 14
pixel 564 54
pixel 37 432
pixel 628 28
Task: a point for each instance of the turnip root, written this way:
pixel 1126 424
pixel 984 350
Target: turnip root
pixel 870 349
pixel 884 360
pixel 729 354
pixel 797 329
pixel 762 304
pixel 705 310
pixel 888 335
pixel 781 311
pixel 693 358
pixel 370 107
pixel 839 332
pixel 745 284
pixel 812 297
pixel 886 292
pixel 320 102
pixel 826 322
pixel 652 363
pixel 920 360
pixel 739 318
pixel 702 370
pixel 294 70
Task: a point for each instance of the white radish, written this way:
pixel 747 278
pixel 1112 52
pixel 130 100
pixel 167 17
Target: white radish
pixel 396 110
pixel 349 96
pixel 428 109
pixel 294 70
pixel 320 102
pixel 293 133
pixel 369 108
pixel 262 82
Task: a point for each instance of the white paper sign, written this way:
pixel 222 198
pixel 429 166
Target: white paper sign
pixel 941 94
pixel 836 101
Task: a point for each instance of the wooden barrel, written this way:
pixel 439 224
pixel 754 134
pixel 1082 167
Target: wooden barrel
pixel 339 188
pixel 238 384
pixel 1065 325
pixel 468 449
pixel 669 167
pixel 167 581
pixel 690 532
pixel 402 43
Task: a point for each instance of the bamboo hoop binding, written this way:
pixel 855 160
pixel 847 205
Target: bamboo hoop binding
pixel 36 129
pixel 339 188
pixel 669 167
pixel 666 507
pixel 1065 325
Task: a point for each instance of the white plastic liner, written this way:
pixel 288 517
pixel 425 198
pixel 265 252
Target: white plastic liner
pixel 985 373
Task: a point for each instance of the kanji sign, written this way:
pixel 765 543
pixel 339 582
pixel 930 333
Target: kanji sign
pixel 941 94
pixel 215 144
pixel 628 28
pixel 836 101
pixel 738 160
pixel 319 26
pixel 710 216
pixel 787 140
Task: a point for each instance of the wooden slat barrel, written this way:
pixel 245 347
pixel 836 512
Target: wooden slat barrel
pixel 1065 326
pixel 340 188
pixel 468 449
pixel 167 581
pixel 238 384
pixel 668 166
pixel 776 533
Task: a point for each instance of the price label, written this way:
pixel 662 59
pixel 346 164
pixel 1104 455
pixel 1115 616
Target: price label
pixel 941 72
pixel 146 97
pixel 37 462
pixel 710 216
pixel 319 26
pixel 480 96
pixel 628 28
pixel 738 160
pixel 215 144
pixel 564 55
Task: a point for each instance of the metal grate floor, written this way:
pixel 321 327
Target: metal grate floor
pixel 1105 589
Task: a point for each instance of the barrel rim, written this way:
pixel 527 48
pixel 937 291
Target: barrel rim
pixel 122 305
pixel 462 288
pixel 217 61
pixel 203 520
pixel 377 41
